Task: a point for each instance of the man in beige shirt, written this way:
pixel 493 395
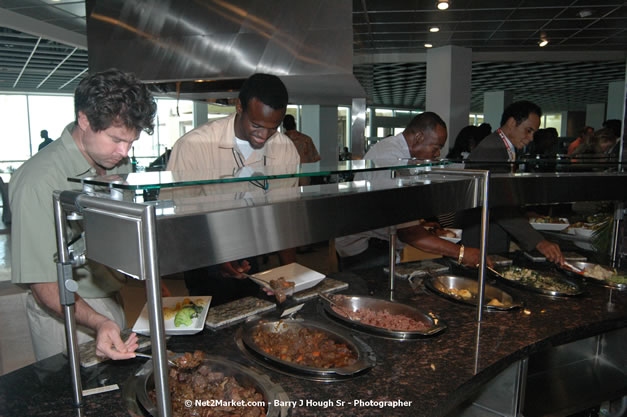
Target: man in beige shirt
pixel 237 145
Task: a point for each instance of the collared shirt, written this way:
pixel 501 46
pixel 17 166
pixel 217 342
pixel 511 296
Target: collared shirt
pixel 33 238
pixel 393 149
pixel 211 150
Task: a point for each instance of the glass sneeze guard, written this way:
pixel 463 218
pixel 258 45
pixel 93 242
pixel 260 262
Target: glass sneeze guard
pixel 167 179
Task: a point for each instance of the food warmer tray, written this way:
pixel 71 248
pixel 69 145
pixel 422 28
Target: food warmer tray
pixel 577 290
pixel 592 280
pixel 354 303
pixel 440 283
pixel 245 376
pixel 365 356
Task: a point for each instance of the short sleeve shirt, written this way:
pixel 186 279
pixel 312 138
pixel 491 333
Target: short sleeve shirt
pixel 33 238
pixel 212 147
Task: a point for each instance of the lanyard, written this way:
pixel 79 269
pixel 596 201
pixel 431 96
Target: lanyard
pixel 240 164
pixel 510 151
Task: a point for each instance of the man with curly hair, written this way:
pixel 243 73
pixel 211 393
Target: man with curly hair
pixel 111 109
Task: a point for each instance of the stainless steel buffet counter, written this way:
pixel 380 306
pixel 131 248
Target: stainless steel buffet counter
pixel 167 236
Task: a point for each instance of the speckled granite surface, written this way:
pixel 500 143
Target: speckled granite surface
pixel 433 374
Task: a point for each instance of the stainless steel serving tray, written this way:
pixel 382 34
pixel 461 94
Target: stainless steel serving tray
pixel 577 290
pixel 354 303
pixel 439 284
pixel 245 376
pixel 365 356
pixel 592 280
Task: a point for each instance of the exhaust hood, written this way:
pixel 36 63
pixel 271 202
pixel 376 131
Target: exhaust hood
pixel 205 49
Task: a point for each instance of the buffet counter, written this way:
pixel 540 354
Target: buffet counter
pixel 433 376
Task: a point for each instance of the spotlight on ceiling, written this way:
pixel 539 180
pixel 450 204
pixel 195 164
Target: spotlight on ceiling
pixel 428 45
pixel 584 13
pixel 434 29
pixel 543 42
pixel 443 4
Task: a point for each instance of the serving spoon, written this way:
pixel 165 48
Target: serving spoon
pixel 149 356
pixel 348 313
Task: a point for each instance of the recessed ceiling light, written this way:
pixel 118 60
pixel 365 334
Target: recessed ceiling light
pixel 428 45
pixel 543 43
pixel 443 4
pixel 434 29
pixel 584 13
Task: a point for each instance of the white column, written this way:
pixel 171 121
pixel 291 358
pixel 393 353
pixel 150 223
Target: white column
pixel 564 124
pixel 200 113
pixel 615 100
pixel 449 70
pixel 320 123
pixel 494 104
pixel 595 115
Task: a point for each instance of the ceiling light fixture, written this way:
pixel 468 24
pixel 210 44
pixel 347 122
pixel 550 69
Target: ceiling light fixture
pixel 428 45
pixel 443 4
pixel 434 29
pixel 543 42
pixel 584 13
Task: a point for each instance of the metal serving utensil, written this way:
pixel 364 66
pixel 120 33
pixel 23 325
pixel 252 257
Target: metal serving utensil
pixel 149 356
pixel 573 267
pixel 344 309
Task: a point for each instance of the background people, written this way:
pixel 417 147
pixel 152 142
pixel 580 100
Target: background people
pixel 111 109
pixel 519 122
pixel 423 138
pixel 46 140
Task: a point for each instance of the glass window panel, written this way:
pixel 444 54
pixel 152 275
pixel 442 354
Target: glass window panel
pixel 554 120
pixel 52 113
pixel 384 112
pixel 14 138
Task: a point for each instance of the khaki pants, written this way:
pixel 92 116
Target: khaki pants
pixel 48 331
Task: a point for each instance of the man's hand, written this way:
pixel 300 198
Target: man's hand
pixel 472 257
pixel 551 251
pixel 235 269
pixel 109 344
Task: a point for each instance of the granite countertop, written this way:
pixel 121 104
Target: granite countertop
pixel 435 374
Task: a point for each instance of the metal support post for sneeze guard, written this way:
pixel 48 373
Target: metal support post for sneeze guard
pixel 67 288
pixel 133 227
pixel 392 245
pixel 484 243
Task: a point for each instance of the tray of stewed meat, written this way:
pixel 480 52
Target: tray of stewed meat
pixel 542 282
pixel 208 385
pixel 383 318
pixel 307 348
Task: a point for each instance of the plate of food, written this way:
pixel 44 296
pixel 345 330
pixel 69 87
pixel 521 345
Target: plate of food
pixel 599 275
pixel 548 223
pixel 446 233
pixel 290 278
pixel 181 316
pixel 542 282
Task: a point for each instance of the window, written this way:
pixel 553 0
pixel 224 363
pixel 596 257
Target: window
pixel 552 120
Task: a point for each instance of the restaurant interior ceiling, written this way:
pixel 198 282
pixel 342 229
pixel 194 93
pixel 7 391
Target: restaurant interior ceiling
pixel 43 48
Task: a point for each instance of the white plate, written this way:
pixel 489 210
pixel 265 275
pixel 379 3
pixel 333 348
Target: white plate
pixel 302 277
pixel 142 326
pixel 556 227
pixel 458 235
pixel 583 232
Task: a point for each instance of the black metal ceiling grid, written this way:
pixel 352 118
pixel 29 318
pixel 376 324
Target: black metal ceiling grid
pixel 484 25
pixel 397 26
pixel 16 49
pixel 554 86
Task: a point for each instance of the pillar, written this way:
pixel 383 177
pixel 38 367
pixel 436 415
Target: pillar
pixel 320 123
pixel 200 113
pixel 449 70
pixel 595 115
pixel 615 100
pixel 494 104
